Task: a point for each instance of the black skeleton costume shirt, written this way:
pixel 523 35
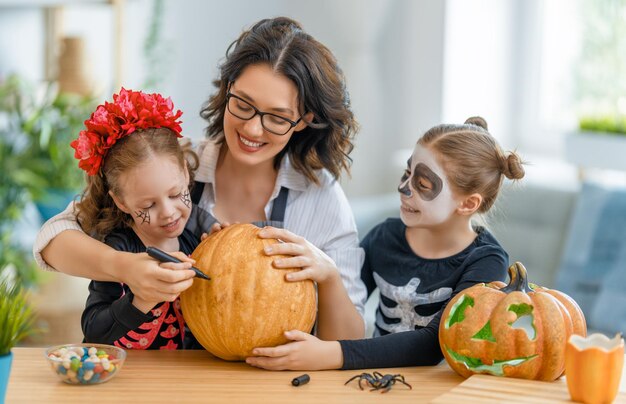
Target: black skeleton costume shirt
pixel 110 317
pixel 414 292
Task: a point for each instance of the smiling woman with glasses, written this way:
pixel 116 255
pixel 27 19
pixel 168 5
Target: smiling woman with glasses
pixel 280 130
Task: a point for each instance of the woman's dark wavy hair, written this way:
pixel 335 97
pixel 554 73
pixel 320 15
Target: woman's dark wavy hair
pixel 97 213
pixel 282 44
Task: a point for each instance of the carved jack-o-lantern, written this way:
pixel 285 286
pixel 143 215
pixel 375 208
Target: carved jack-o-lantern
pixel 247 303
pixel 510 330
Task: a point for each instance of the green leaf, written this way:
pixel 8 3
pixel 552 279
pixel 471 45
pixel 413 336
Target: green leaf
pixel 16 316
pixel 46 133
pixel 29 178
pixel 611 124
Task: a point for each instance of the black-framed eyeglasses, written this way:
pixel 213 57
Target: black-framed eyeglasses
pixel 242 109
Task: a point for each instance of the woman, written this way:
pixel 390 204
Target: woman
pixel 280 131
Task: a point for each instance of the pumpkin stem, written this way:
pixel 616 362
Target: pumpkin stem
pixel 519 279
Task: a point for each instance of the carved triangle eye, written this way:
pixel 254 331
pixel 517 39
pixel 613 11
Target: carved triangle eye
pixel 485 333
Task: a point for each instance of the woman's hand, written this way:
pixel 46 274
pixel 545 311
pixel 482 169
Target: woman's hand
pixel 315 264
pixel 152 281
pixel 337 318
pixel 305 352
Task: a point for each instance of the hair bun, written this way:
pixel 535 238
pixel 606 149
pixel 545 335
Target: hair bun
pixel 477 121
pixel 512 167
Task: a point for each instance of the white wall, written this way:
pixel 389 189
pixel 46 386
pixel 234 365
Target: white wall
pixel 391 52
pixel 477 71
pixel 21 42
pixel 409 64
pixel 381 45
pixel 513 62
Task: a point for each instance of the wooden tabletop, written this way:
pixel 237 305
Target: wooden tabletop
pixel 196 376
pixel 485 389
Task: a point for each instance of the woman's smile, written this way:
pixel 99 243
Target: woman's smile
pixel 249 145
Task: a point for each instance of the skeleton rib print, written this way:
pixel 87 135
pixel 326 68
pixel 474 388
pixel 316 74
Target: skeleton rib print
pixel 406 299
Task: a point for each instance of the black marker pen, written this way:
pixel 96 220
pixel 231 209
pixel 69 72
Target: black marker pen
pixel 162 256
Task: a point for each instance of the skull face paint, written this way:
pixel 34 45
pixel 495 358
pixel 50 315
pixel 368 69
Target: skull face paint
pixel 427 184
pixel 424 191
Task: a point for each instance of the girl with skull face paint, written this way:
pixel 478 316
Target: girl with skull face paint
pixel 424 258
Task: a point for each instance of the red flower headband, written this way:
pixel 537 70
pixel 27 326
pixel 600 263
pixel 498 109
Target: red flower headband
pixel 129 111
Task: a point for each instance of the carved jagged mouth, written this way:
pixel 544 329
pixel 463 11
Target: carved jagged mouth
pixel 496 369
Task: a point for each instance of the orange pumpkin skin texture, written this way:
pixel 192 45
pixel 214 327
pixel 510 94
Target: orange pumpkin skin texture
pixel 509 330
pixel 247 303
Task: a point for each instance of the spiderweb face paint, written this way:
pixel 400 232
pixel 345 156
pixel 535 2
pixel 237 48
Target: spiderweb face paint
pixel 144 215
pixel 185 198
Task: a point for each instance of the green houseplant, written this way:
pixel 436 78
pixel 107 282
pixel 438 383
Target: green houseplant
pixel 36 126
pixel 16 322
pixel 19 178
pixel 609 124
pixel 43 122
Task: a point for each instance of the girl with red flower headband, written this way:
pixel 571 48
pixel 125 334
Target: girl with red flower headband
pixel 137 195
pixel 280 129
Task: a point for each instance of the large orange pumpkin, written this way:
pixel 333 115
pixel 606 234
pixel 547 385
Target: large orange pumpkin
pixel 247 303
pixel 513 330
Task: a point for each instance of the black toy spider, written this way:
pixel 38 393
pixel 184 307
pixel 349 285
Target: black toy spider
pixel 378 381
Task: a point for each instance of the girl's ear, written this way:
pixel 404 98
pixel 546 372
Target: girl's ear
pixel 308 117
pixel 470 204
pixel 118 202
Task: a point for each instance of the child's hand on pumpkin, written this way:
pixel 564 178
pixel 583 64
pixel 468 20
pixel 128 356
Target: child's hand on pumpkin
pixel 214 229
pixel 315 264
pixel 305 352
